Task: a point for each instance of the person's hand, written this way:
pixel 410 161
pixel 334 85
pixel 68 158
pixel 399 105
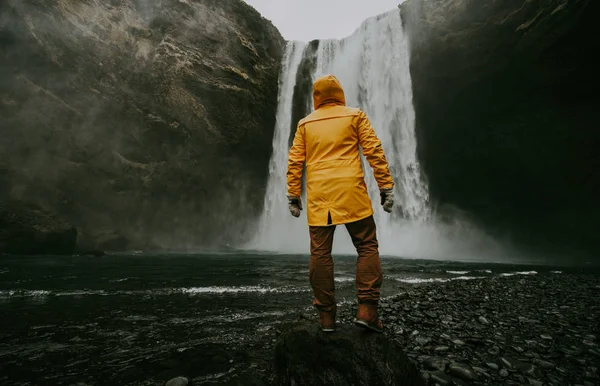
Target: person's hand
pixel 295 205
pixel 387 199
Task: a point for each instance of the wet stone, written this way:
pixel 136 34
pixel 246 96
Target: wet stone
pixel 422 340
pixel 544 364
pixel 442 348
pixel 483 320
pixel 492 366
pixel 481 371
pixel 494 350
pixel 504 373
pixel 436 363
pixel 179 381
pixel 506 363
pixel 440 378
pixel 529 370
pixel 546 337
pixel 462 371
pixel 534 382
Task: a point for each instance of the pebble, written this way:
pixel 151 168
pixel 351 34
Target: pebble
pixel 422 340
pixel 529 370
pixel 440 378
pixel 543 363
pixel 179 381
pixel 506 345
pixel 507 363
pixel 462 371
pixel 479 370
pixel 494 350
pixel 436 363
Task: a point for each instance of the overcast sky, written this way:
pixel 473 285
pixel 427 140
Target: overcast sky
pixel 319 19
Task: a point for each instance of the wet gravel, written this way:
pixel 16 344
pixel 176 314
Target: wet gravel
pixel 515 330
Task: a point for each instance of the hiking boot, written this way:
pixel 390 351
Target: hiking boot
pixel 327 320
pixel 366 317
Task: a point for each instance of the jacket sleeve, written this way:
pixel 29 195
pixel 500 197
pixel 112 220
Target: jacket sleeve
pixel 296 158
pixel 373 151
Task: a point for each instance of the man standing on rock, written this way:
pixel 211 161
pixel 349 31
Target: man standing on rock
pixel 328 142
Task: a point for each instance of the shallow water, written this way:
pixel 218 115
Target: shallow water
pixel 141 319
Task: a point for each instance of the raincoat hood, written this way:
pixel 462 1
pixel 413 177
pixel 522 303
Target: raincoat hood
pixel 328 90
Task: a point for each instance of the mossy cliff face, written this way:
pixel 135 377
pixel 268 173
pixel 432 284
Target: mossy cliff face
pixel 506 94
pixel 150 122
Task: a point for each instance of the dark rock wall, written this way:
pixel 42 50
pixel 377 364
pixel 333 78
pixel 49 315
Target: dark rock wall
pixel 149 120
pixel 29 229
pixel 506 95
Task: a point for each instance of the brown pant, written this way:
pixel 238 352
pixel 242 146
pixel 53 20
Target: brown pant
pixel 368 267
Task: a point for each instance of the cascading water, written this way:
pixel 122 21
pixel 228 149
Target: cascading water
pixel 275 231
pixel 373 67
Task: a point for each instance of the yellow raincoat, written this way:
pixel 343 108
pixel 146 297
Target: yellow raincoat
pixel 328 142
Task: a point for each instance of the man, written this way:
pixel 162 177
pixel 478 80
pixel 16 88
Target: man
pixel 328 141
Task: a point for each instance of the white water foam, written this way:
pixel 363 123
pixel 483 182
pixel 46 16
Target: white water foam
pixel 420 280
pixel 518 273
pixel 214 290
pixel 344 279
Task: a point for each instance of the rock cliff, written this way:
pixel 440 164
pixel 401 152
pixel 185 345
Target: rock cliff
pixel 150 121
pixel 506 93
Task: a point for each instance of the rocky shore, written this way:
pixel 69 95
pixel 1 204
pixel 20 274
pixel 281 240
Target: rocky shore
pixel 515 330
pixel 524 329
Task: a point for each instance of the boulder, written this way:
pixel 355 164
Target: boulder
pixel 27 229
pixel 306 356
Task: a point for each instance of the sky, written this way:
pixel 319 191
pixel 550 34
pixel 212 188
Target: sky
pixel 319 19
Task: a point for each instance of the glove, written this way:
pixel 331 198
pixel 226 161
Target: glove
pixel 295 205
pixel 387 199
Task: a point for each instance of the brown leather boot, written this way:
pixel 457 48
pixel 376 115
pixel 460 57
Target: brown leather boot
pixel 366 317
pixel 327 320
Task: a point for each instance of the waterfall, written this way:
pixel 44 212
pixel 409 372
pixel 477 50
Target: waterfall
pixel 275 230
pixel 373 67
